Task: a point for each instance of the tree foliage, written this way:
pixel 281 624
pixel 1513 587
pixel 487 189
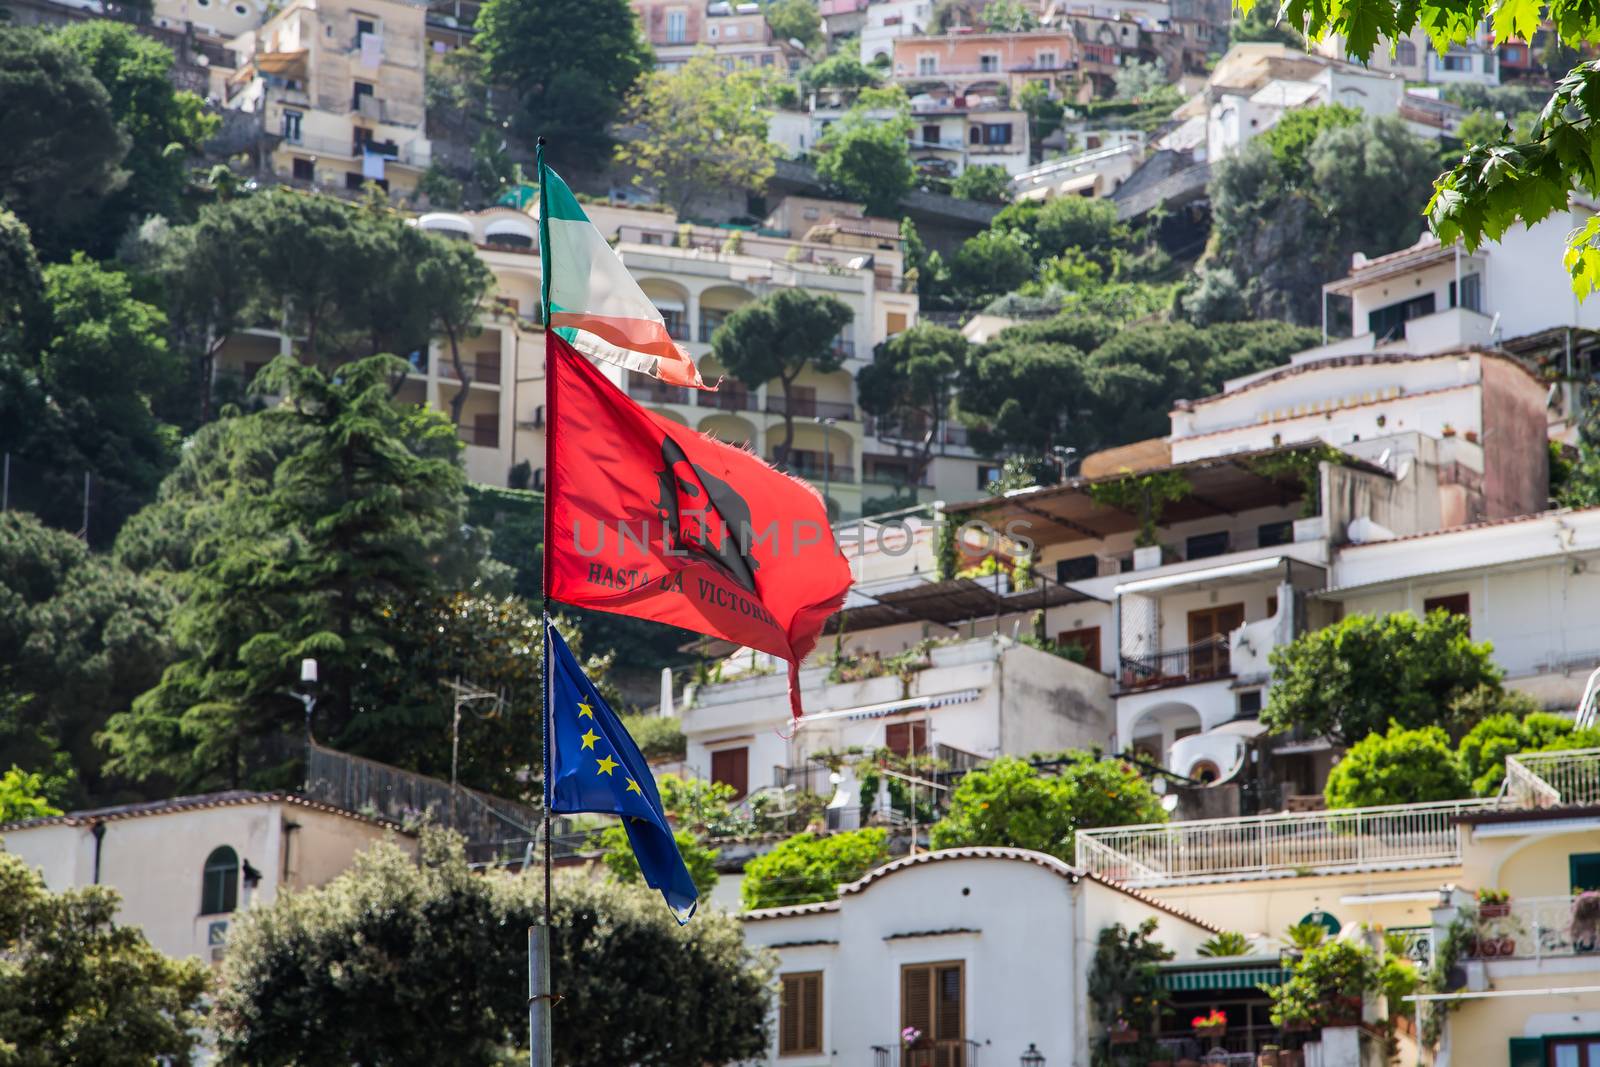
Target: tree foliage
pixel 1399 767
pixel 1008 16
pixel 1326 985
pixel 807 867
pixel 778 337
pixel 569 63
pixel 995 261
pixel 616 853
pixel 398 962
pixel 22 796
pixel 910 384
pixel 1296 203
pixel 700 131
pixel 865 155
pixel 1009 802
pixel 1519 727
pixel 1351 679
pixel 987 182
pixel 794 20
pixel 842 70
pixel 77 988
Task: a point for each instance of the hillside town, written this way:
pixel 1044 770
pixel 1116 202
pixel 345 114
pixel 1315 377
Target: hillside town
pixel 1095 519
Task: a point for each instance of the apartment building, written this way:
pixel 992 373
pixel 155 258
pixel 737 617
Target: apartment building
pixel 949 133
pixel 338 88
pixel 1414 58
pixel 736 34
pixel 887 21
pixel 962 64
pixel 1098 172
pixel 185 867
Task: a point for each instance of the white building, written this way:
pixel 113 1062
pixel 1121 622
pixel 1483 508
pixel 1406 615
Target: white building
pixel 1414 58
pixel 888 20
pixel 1096 173
pixel 984 952
pixel 185 866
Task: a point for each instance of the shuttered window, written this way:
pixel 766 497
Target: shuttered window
pixel 732 767
pixel 932 1001
pixel 906 738
pixel 800 1014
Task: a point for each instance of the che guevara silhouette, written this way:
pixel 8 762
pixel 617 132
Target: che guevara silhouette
pixel 722 532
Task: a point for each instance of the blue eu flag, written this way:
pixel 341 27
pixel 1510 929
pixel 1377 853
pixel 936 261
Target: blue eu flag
pixel 591 764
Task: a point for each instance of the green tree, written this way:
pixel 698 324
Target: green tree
pixel 984 181
pixel 778 337
pixel 1217 296
pixel 22 796
pixel 1326 985
pixel 309 559
pixel 569 64
pixel 357 971
pixel 865 155
pixel 21 284
pixel 1519 727
pixel 1064 224
pixel 701 132
pixel 616 852
pixel 64 148
pixel 1399 767
pixel 1024 395
pixel 1008 16
pixel 1350 679
pixel 80 637
pixel 842 70
pixel 78 398
pixel 989 264
pixel 910 384
pixel 457 283
pixel 1124 983
pixel 1009 802
pixel 76 987
pixel 1044 114
pixel 808 868
pixel 794 20
pixel 1141 81
pixel 1292 208
pixel 166 127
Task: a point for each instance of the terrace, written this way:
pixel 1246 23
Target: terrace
pixel 1298 844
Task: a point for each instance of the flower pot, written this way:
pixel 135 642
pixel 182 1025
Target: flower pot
pixel 1267 1059
pixel 1508 946
pixel 1123 1037
pixel 1203 1032
pixel 1493 911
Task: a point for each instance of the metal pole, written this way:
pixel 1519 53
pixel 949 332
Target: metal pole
pixel 539 991
pixel 539 995
pixel 455 751
pixel 5 488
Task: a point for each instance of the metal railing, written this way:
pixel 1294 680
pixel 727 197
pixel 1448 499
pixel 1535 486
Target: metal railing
pixel 954 1052
pixel 893 428
pixel 807 408
pixel 1553 779
pixel 726 399
pixel 481 372
pixel 1393 837
pixel 813 472
pixel 1531 928
pixel 658 393
pixel 1199 662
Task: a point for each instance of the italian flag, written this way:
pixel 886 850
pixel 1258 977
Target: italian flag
pixel 594 305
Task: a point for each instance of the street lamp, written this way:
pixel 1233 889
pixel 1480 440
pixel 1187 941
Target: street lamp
pixel 827 460
pixel 1063 455
pixel 1033 1057
pixel 308 690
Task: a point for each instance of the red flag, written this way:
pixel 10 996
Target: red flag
pixel 648 518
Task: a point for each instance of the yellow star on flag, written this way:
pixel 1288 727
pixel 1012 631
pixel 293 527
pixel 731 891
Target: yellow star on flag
pixel 589 739
pixel 584 710
pixel 606 765
pixel 633 787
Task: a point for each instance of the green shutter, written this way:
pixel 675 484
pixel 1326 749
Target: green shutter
pixel 1525 1051
pixel 1583 869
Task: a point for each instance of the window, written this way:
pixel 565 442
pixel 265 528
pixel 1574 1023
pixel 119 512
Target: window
pixel 677 22
pixel 1087 639
pixel 906 738
pixel 486 427
pixel 1269 534
pixel 1584 870
pixel 304 170
pixel 1250 704
pixel 930 135
pixel 362 90
pixel 989 62
pixel 219 886
pixel 1200 546
pixel 931 1002
pixel 1471 293
pixel 712 31
pixel 1405 54
pixel 1077 569
pixel 988 472
pixel 1208 639
pixel 731 766
pixel 1387 324
pixel 291 126
pixel 895 322
pixel 1455 604
pixel 1577 1051
pixel 1460 64
pixel 927 64
pixel 997 133
pixel 975 135
pixel 1046 60
pixel 800 1014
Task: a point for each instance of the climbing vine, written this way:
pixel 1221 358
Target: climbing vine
pixel 1145 496
pixel 1302 463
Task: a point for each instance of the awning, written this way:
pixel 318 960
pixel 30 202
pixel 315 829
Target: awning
pixel 1207 576
pixel 896 707
pixel 1221 978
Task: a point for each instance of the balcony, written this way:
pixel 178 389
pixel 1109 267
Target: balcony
pixel 480 372
pixel 1553 779
pixel 1201 662
pixel 807 408
pixel 726 399
pixel 649 391
pixel 894 428
pixel 818 472
pixel 952 1052
pixel 1527 928
pixel 1394 837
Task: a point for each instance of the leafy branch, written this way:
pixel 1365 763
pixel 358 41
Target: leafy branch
pixel 1144 496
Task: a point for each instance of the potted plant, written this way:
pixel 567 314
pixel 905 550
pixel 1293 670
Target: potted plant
pixel 1212 1024
pixel 1449 430
pixel 1493 903
pixel 1122 1032
pixel 1586 921
pixel 1471 436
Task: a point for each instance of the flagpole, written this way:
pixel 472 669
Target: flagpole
pixel 540 995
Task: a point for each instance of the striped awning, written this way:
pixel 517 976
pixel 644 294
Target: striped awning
pixel 1219 978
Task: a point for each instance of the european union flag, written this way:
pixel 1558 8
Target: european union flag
pixel 593 765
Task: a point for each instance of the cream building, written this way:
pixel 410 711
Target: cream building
pixel 340 89
pixel 186 866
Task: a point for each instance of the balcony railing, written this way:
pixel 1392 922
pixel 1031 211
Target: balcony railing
pixel 1553 779
pixel 479 371
pixel 806 408
pixel 954 1052
pixel 1201 662
pixel 1531 928
pixel 658 393
pixel 897 429
pixel 813 472
pixel 726 399
pixel 1394 837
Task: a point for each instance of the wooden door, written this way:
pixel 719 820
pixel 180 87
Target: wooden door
pixel 1210 627
pixel 732 767
pixel 933 1002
